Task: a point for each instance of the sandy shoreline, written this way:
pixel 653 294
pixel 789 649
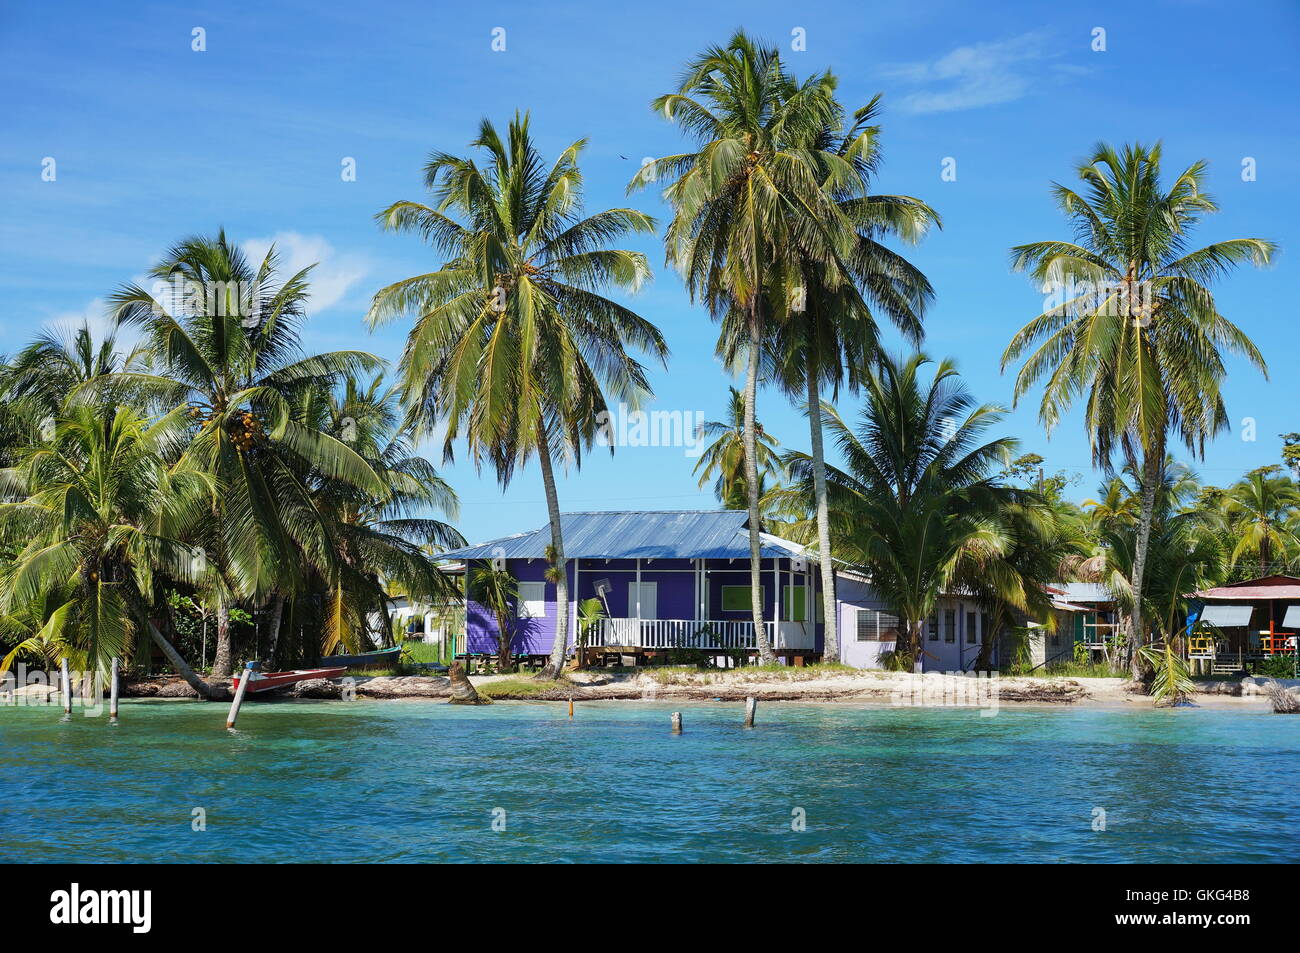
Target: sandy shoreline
pixel 887 688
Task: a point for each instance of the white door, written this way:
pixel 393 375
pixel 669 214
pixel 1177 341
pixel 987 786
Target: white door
pixel 649 600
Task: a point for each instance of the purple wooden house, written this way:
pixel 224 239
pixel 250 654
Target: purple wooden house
pixel 666 579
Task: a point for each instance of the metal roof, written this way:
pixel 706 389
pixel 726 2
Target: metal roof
pixel 1227 617
pixel 1084 592
pixel 637 534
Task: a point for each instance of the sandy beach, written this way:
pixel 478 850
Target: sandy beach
pixel 794 685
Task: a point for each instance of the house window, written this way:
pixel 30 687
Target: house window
pixel 877 626
pixel 932 625
pixel 970 628
pixel 794 604
pixel 737 599
pixel 532 600
pixel 950 625
pixel 649 607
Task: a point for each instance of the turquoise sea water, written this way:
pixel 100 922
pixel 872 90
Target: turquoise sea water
pixel 420 781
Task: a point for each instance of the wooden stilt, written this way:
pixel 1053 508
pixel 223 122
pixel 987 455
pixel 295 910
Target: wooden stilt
pixel 570 706
pixel 750 704
pixel 677 723
pixel 65 687
pixel 112 693
pixel 239 694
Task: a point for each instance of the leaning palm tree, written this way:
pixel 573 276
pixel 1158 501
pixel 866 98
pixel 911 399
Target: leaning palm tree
pixel 101 519
pixel 1134 330
pixel 750 197
pixel 222 336
pixel 832 334
pixel 515 346
pixel 920 494
pixel 1261 511
pixel 723 460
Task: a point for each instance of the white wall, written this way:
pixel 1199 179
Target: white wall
pixel 941 655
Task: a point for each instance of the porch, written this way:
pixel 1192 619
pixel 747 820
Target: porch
pixel 720 634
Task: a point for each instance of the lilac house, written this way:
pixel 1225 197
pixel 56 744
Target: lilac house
pixel 666 579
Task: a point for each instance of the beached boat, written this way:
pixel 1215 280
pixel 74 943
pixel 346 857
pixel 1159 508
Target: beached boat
pixel 383 657
pixel 267 681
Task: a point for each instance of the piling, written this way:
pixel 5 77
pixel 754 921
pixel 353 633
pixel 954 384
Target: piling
pixel 112 693
pixel 65 686
pixel 239 694
pixel 570 706
pixel 677 723
pixel 751 703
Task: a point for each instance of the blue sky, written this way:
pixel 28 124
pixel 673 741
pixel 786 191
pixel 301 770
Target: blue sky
pixel 153 141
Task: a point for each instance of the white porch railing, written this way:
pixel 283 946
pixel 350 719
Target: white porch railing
pixel 692 634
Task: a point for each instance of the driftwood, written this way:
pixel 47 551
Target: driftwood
pixel 462 692
pixel 1284 703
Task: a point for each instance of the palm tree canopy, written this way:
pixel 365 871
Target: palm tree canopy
pixel 723 460
pixel 222 338
pixel 513 335
pixel 1134 333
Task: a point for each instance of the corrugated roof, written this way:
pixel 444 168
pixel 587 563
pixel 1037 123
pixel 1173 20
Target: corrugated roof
pixel 1084 592
pixel 1265 587
pixel 637 534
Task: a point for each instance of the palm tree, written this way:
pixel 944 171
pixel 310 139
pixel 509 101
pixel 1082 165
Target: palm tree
pixel 42 376
pixel 1035 542
pixel 832 327
pixel 1184 550
pixel 723 460
pixel 514 343
pixel 497 590
pixel 1136 329
pixel 100 519
pixel 378 542
pixel 744 203
pixel 1261 511
pixel 921 495
pixel 223 340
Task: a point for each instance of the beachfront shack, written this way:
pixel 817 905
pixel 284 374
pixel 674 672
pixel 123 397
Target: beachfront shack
pixel 1233 625
pixel 667 582
pixel 673 583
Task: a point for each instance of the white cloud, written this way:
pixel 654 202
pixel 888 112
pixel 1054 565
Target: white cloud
pixel 983 74
pixel 331 279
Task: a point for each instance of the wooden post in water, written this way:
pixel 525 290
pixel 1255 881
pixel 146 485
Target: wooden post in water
pixel 750 704
pixel 570 706
pixel 112 694
pixel 65 686
pixel 239 694
pixel 677 723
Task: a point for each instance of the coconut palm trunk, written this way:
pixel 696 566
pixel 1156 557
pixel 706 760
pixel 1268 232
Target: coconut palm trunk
pixel 561 577
pixel 831 645
pixel 765 654
pixel 1151 472
pixel 277 614
pixel 178 663
pixel 221 656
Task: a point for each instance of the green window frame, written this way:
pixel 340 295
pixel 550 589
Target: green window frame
pixel 794 608
pixel 737 598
